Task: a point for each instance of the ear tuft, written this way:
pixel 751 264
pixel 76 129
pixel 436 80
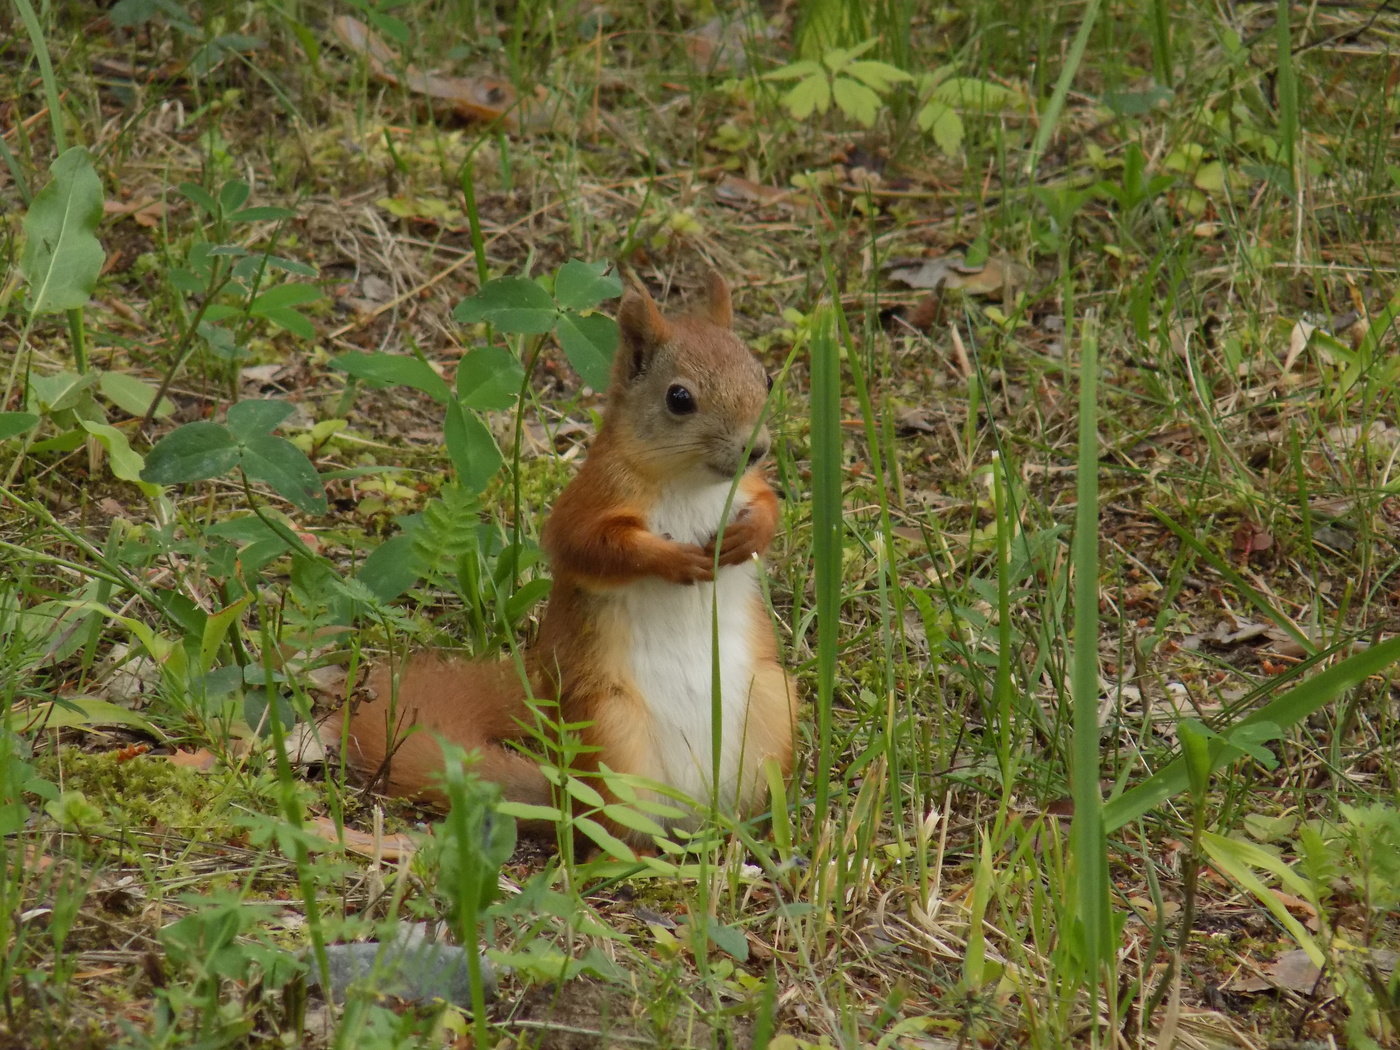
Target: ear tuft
pixel 642 329
pixel 719 308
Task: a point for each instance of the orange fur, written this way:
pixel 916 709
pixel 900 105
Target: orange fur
pixel 602 548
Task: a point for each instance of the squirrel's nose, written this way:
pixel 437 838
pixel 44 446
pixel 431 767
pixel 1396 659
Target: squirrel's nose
pixel 761 444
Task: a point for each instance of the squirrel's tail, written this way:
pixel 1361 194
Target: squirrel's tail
pixel 473 704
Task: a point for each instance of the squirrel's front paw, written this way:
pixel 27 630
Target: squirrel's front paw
pixel 744 537
pixel 691 564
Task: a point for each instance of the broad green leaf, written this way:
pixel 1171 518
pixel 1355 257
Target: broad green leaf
pixel 812 94
pixel 60 391
pixel 729 939
pixel 132 395
pixel 387 369
pixel 12 424
pixel 1288 709
pixel 582 286
pixel 194 452
pixel 941 121
pixel 233 196
pixel 215 628
pixel 201 197
pixel 589 343
pixel 513 304
pixel 290 294
pixel 527 811
pixel 471 447
pixel 287 318
pixel 585 793
pixel 391 568
pixel 275 460
pixel 77 712
pixel 856 100
pixel 489 377
pixel 797 71
pixel 126 464
pixel 879 76
pixel 979 96
pixel 62 257
pixel 256 416
pixel 276 262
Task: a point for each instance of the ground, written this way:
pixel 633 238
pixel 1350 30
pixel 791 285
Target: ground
pixel 1176 687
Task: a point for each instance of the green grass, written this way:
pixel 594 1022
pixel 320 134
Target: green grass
pixel 1089 582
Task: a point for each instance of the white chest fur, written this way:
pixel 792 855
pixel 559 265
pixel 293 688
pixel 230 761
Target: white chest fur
pixel 671 654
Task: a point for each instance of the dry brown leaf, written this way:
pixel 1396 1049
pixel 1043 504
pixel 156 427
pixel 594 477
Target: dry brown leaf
pixel 482 98
pixel 739 192
pixel 994 277
pixel 144 211
pixel 388 847
pixel 203 760
pixel 720 44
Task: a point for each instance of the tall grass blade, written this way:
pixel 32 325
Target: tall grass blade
pixel 827 530
pixel 1088 848
pixel 1051 116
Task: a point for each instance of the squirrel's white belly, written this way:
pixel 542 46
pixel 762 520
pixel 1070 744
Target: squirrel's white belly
pixel 672 630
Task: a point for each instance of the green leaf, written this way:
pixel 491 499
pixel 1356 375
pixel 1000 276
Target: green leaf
pixel 126 464
pixel 472 448
pixel 289 319
pixel 729 939
pixel 194 452
pixel 942 121
pixel 513 304
pixel 582 286
pixel 60 391
pixel 856 100
pixel 62 256
pixel 980 96
pixel 879 76
pixel 254 416
pixel 233 196
pixel 1286 710
pixel 589 343
pixel 489 377
pixel 388 369
pixel 201 197
pixel 12 424
pixel 604 839
pixel 391 568
pixel 290 294
pixel 264 214
pixel 1235 858
pixel 275 460
pixel 77 712
pixel 812 94
pixel 797 71
pixel 132 395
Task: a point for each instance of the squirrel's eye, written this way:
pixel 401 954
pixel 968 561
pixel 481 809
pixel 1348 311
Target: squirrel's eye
pixel 770 383
pixel 680 401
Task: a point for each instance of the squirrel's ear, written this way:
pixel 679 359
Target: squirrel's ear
pixel 642 330
pixel 719 310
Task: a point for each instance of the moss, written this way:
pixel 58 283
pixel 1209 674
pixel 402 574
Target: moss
pixel 149 791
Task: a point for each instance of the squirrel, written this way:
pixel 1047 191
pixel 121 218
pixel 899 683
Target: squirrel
pixel 625 643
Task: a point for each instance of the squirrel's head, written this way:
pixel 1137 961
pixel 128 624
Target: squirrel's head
pixel 686 393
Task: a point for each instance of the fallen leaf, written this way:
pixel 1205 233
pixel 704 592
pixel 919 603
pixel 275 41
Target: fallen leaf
pixel 996 276
pixel 483 98
pixel 386 847
pixel 1249 537
pixel 144 211
pixel 736 191
pixel 202 760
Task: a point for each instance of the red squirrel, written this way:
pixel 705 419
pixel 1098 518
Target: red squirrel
pixel 625 644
